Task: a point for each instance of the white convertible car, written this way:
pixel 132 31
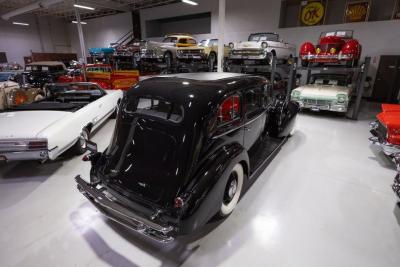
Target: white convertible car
pixel 63 119
pixel 260 48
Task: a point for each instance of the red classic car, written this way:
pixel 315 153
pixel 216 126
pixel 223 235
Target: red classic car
pixel 333 47
pixel 105 76
pixel 386 129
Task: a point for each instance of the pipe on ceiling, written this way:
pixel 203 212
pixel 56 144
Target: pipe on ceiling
pixel 29 8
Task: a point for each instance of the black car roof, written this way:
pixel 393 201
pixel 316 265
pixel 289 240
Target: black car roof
pixel 200 88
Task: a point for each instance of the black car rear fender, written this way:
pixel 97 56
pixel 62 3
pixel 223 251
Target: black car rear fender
pixel 281 118
pixel 206 194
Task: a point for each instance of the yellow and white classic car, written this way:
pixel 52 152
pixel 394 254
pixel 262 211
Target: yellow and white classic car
pixel 173 47
pixel 211 50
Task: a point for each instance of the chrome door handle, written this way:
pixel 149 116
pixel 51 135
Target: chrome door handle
pixel 247 128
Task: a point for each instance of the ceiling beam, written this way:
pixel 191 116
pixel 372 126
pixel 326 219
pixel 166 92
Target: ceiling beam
pixel 107 4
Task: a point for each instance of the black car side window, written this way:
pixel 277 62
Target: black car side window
pixel 253 102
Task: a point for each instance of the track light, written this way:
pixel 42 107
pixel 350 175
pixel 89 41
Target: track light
pixel 82 22
pixel 190 2
pixel 20 23
pixel 84 7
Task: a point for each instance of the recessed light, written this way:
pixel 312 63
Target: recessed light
pixel 20 23
pixel 190 2
pixel 82 22
pixel 84 7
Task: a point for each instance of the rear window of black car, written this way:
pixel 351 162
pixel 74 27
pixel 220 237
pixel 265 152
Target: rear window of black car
pixel 156 108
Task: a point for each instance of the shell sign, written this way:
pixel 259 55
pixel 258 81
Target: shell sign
pixel 357 11
pixel 312 13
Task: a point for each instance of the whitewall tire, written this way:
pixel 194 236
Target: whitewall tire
pixel 232 190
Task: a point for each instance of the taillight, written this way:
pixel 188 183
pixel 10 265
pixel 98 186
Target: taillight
pixel 179 203
pixel 229 109
pixel 37 145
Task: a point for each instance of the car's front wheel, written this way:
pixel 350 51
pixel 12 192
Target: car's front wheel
pixel 232 190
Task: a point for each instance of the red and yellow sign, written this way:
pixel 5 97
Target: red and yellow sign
pixel 312 13
pixel 357 11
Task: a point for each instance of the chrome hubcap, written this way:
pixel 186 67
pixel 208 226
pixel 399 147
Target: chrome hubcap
pixel 82 139
pixel 232 188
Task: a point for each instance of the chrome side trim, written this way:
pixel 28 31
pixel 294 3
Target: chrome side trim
pixel 254 119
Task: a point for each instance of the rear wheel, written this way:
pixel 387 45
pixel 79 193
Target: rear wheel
pixel 232 190
pixel 80 146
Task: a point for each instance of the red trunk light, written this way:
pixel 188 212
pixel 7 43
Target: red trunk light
pixel 37 145
pixel 179 203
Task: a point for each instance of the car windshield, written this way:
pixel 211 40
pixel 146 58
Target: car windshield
pixel 155 108
pixel 98 69
pixel 170 40
pixel 204 42
pixel 342 34
pixel 187 41
pixel 340 80
pixel 44 68
pixel 258 37
pixel 208 42
pixel 64 97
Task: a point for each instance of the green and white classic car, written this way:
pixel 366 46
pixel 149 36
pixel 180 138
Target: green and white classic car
pixel 330 92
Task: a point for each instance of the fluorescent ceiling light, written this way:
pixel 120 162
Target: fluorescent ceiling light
pixel 84 7
pixel 20 23
pixel 190 2
pixel 82 22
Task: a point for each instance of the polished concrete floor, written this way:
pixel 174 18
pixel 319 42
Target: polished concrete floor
pixel 325 200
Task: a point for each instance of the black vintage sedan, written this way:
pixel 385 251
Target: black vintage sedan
pixel 183 148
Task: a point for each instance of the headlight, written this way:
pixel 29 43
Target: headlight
pixel 296 94
pixel 333 50
pixel 318 50
pixel 341 98
pixel 264 45
pixel 231 45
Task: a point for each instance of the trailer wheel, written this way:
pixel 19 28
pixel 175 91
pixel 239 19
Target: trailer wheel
pixel 80 146
pixel 232 190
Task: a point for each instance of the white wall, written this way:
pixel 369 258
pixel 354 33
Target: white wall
pixel 244 17
pixel 19 41
pixel 100 32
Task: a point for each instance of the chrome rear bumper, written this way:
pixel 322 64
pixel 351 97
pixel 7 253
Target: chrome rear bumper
pixel 121 214
pixel 396 185
pixel 40 155
pixel 387 148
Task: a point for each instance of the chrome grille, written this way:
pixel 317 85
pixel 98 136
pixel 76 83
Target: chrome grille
pixel 248 52
pixel 325 48
pixel 190 53
pixel 316 102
